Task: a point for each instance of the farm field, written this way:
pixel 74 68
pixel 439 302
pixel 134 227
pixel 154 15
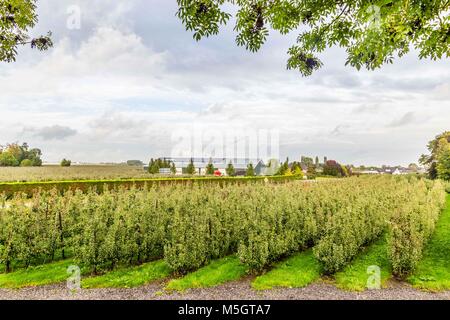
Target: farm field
pixel 75 172
pixel 258 238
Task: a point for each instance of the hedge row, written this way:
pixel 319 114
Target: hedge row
pixel 29 188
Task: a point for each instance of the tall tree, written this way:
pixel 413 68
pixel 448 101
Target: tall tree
pixel 283 168
pixel 20 153
pixel 443 165
pixel 250 170
pixel 173 169
pixel 17 17
pixel 190 169
pixel 307 161
pixel 437 148
pixel 209 168
pixel 311 173
pixel 373 32
pixel 230 170
pixel 153 167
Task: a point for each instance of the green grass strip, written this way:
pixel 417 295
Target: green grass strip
pixel 217 272
pixel 355 275
pixel 50 273
pixel 433 271
pixel 129 277
pixel 296 272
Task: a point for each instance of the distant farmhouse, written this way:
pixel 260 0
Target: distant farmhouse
pixel 391 170
pixel 220 164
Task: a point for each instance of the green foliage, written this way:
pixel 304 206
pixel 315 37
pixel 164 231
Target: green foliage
pixel 311 173
pixel 443 165
pixel 66 163
pixel 26 163
pixel 413 223
pixel 189 224
pixel 283 169
pixel 373 33
pixel 297 170
pixel 230 170
pixel 190 169
pixel 8 160
pixel 157 164
pixel 358 218
pixel 33 230
pixel 29 188
pixel 307 161
pixel 332 168
pixel 17 17
pixel 209 168
pixel 13 155
pixel 438 148
pixel 250 170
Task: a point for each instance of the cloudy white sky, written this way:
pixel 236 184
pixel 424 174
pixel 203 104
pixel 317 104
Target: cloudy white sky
pixel 118 87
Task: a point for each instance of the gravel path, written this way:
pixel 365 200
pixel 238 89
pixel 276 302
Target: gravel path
pixel 239 290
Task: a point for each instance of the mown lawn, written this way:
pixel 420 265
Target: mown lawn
pixel 129 277
pixel 433 271
pixel 354 276
pixel 217 272
pixel 295 272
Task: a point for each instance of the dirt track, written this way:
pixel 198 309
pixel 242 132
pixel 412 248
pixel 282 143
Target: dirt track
pixel 239 290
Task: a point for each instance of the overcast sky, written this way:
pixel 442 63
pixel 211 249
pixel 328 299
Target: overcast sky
pixel 119 86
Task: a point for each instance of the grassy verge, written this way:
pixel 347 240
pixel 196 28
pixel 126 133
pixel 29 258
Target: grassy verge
pixel 215 273
pixel 129 277
pixel 433 271
pixel 34 276
pixel 354 276
pixel 295 272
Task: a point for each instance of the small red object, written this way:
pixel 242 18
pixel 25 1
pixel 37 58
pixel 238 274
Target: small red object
pixel 217 173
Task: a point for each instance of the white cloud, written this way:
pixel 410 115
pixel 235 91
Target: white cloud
pixel 132 74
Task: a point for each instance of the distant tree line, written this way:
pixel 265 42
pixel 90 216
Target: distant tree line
pixel 309 166
pixel 15 155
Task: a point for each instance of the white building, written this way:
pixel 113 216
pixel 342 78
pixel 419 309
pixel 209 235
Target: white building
pixel 240 165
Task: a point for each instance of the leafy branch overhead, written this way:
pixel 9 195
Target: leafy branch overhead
pixel 372 32
pixel 17 17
